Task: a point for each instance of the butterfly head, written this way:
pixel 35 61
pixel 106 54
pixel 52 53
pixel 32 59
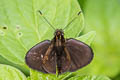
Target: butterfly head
pixel 59 33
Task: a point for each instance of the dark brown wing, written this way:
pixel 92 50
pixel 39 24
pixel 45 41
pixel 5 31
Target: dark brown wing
pixel 81 54
pixel 35 56
pixel 49 60
pixel 52 60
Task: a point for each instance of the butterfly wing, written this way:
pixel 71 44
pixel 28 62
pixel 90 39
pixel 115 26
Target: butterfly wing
pixel 81 54
pixel 59 59
pixel 34 56
pixel 49 60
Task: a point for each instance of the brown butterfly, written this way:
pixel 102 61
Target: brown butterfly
pixel 59 55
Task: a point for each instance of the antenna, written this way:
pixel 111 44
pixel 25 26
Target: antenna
pixel 72 20
pixel 46 19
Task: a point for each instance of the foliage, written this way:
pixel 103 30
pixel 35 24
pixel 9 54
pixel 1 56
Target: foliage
pixel 21 27
pixel 103 16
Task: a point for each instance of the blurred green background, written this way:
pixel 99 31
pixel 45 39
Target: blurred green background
pixel 103 16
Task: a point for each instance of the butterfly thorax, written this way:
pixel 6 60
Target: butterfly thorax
pixel 59 40
pixel 59 44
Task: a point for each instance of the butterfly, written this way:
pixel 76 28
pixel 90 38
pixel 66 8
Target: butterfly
pixel 59 54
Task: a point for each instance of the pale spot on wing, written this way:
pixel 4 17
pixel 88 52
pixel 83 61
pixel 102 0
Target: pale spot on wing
pixel 41 56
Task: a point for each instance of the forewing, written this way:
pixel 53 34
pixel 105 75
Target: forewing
pixel 81 54
pixel 35 56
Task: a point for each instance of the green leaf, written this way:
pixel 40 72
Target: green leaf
pixel 87 38
pixel 10 73
pixel 21 26
pixel 89 78
pixel 34 75
pixel 28 78
pixel 5 61
pixel 59 17
pixel 65 76
pixel 25 27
